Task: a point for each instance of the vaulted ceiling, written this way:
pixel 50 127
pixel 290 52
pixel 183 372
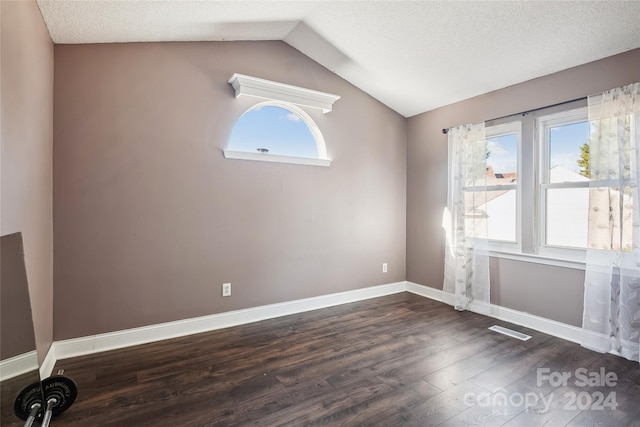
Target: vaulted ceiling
pixel 413 56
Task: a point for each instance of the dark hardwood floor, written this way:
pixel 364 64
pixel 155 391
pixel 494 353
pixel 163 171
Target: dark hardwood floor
pixel 9 390
pixel 395 360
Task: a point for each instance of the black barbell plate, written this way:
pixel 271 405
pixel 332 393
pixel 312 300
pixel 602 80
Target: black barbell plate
pixel 28 396
pixel 63 389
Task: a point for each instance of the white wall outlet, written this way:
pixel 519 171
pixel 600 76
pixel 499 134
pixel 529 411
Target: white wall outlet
pixel 226 289
pixel 384 267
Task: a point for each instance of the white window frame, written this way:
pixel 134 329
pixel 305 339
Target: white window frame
pixel 321 160
pixel 543 124
pixel 529 192
pixel 533 182
pixel 291 98
pixel 496 130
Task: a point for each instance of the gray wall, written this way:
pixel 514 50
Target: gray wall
pixel 150 218
pixel 26 67
pixel 552 292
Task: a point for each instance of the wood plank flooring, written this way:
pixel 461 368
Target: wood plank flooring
pixel 391 361
pixel 9 390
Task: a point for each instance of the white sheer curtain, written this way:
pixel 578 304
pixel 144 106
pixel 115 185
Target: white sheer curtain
pixel 611 319
pixel 465 221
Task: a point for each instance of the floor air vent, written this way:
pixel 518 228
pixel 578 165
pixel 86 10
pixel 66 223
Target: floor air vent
pixel 510 333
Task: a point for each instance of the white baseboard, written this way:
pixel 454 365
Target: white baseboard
pixel 46 368
pixel 109 341
pixel 541 324
pixel 18 365
pixel 429 292
pixel 113 340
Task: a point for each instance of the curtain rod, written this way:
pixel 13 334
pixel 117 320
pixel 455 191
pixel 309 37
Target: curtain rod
pixel 522 113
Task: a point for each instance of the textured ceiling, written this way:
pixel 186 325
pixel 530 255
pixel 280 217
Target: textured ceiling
pixel 413 56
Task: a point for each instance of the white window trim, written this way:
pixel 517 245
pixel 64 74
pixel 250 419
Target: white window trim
pixel 274 158
pixel 543 123
pixel 267 89
pixel 532 252
pixel 497 130
pixel 290 98
pixel 321 160
pixel 547 259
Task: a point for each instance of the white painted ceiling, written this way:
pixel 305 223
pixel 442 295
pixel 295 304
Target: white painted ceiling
pixel 413 56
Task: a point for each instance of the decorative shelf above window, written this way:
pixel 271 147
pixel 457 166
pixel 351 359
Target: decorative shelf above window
pixel 261 88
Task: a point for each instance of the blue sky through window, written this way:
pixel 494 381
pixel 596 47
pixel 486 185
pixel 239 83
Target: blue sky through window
pixel 564 145
pixel 564 148
pixel 279 130
pixel 503 153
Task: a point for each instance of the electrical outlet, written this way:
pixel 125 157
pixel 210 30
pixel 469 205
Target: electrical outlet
pixel 226 289
pixel 384 267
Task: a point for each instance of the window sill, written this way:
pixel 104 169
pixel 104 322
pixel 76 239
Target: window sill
pixel 539 259
pixel 241 155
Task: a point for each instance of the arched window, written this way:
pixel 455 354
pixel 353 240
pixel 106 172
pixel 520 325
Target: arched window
pixel 278 130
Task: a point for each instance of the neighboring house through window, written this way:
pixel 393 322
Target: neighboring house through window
pixel 537 187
